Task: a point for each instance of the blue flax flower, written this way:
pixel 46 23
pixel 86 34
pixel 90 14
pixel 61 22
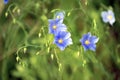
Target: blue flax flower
pixel 55 26
pixel 62 39
pixel 60 16
pixel 108 17
pixel 89 42
pixel 6 1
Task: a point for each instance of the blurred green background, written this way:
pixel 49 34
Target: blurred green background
pixel 27 52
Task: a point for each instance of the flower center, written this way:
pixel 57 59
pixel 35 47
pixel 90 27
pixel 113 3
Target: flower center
pixel 58 17
pixel 60 41
pixel 109 17
pixel 54 27
pixel 87 42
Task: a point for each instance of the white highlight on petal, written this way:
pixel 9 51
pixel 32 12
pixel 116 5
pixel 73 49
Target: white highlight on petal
pixel 67 36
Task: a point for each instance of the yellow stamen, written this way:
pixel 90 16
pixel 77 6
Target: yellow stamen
pixel 54 27
pixel 87 42
pixel 60 41
pixel 109 17
pixel 58 17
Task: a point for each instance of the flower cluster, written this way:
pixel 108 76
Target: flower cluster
pixel 62 36
pixel 58 28
pixel 108 17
